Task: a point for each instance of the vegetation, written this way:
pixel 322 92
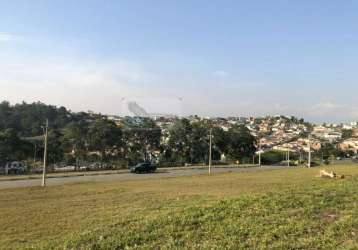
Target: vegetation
pixel 11 146
pixel 278 209
pixel 347 133
pixel 88 137
pixel 328 152
pixel 272 157
pixel 190 142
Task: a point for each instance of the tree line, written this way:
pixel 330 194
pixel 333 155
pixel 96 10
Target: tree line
pixel 85 137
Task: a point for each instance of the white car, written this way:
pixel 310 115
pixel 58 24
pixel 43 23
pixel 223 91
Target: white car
pixel 64 168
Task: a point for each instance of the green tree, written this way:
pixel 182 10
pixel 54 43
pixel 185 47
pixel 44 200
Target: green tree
pixel 142 141
pixel 55 146
pixel 272 157
pixel 241 143
pixel 75 139
pixel 105 138
pixel 12 147
pixel 221 142
pixel 199 143
pixel 329 150
pixel 178 147
pixel 347 133
pixel 5 113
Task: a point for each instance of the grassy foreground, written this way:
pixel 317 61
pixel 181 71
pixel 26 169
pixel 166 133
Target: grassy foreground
pixel 277 209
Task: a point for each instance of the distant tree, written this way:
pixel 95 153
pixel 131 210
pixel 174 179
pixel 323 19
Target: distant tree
pixel 105 137
pixel 179 143
pixel 199 142
pixel 347 133
pixel 221 142
pixel 241 142
pixel 12 147
pixel 27 119
pixel 5 113
pixel 142 141
pixel 55 146
pixel 272 157
pixel 329 150
pixel 75 139
pixel 190 142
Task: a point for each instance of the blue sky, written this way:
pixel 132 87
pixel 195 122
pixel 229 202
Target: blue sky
pixel 219 57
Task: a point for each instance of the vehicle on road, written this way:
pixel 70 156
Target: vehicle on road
pixel 143 168
pixel 64 168
pixel 15 167
pixel 85 168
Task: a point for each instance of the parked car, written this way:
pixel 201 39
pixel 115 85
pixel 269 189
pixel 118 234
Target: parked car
pixel 15 167
pixel 64 168
pixel 143 168
pixel 85 168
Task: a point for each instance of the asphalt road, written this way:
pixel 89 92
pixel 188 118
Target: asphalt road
pixel 129 176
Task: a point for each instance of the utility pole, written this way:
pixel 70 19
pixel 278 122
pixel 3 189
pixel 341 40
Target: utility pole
pixel 288 157
pixel 45 156
pixel 309 151
pixel 260 152
pixel 210 148
pixel 35 153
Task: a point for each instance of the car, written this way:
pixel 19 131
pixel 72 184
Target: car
pixel 15 167
pixel 85 168
pixel 143 168
pixel 64 168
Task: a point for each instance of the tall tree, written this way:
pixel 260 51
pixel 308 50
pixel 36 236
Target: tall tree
pixel 12 147
pixel 179 142
pixel 105 137
pixel 199 142
pixel 242 143
pixel 221 142
pixel 75 139
pixel 5 114
pixel 347 133
pixel 55 146
pixel 142 140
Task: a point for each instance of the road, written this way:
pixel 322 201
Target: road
pixel 129 176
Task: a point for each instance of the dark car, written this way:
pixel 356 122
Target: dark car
pixel 143 168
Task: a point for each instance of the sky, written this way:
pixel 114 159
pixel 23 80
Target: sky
pixel 210 58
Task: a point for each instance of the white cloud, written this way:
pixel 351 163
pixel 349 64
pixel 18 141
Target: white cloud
pixel 327 105
pixel 7 37
pixel 79 85
pixel 221 73
pixel 101 85
pixel 329 111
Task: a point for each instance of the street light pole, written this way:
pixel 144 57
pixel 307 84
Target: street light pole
pixel 210 149
pixel 35 150
pixel 260 152
pixel 45 156
pixel 288 158
pixel 309 151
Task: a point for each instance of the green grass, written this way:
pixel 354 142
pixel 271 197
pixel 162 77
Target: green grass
pixel 278 209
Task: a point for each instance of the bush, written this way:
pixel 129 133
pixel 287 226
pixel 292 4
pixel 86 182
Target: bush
pixel 272 157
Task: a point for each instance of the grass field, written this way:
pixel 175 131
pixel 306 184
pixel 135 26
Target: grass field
pixel 277 209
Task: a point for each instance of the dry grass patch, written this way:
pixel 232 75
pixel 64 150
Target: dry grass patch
pixel 136 212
